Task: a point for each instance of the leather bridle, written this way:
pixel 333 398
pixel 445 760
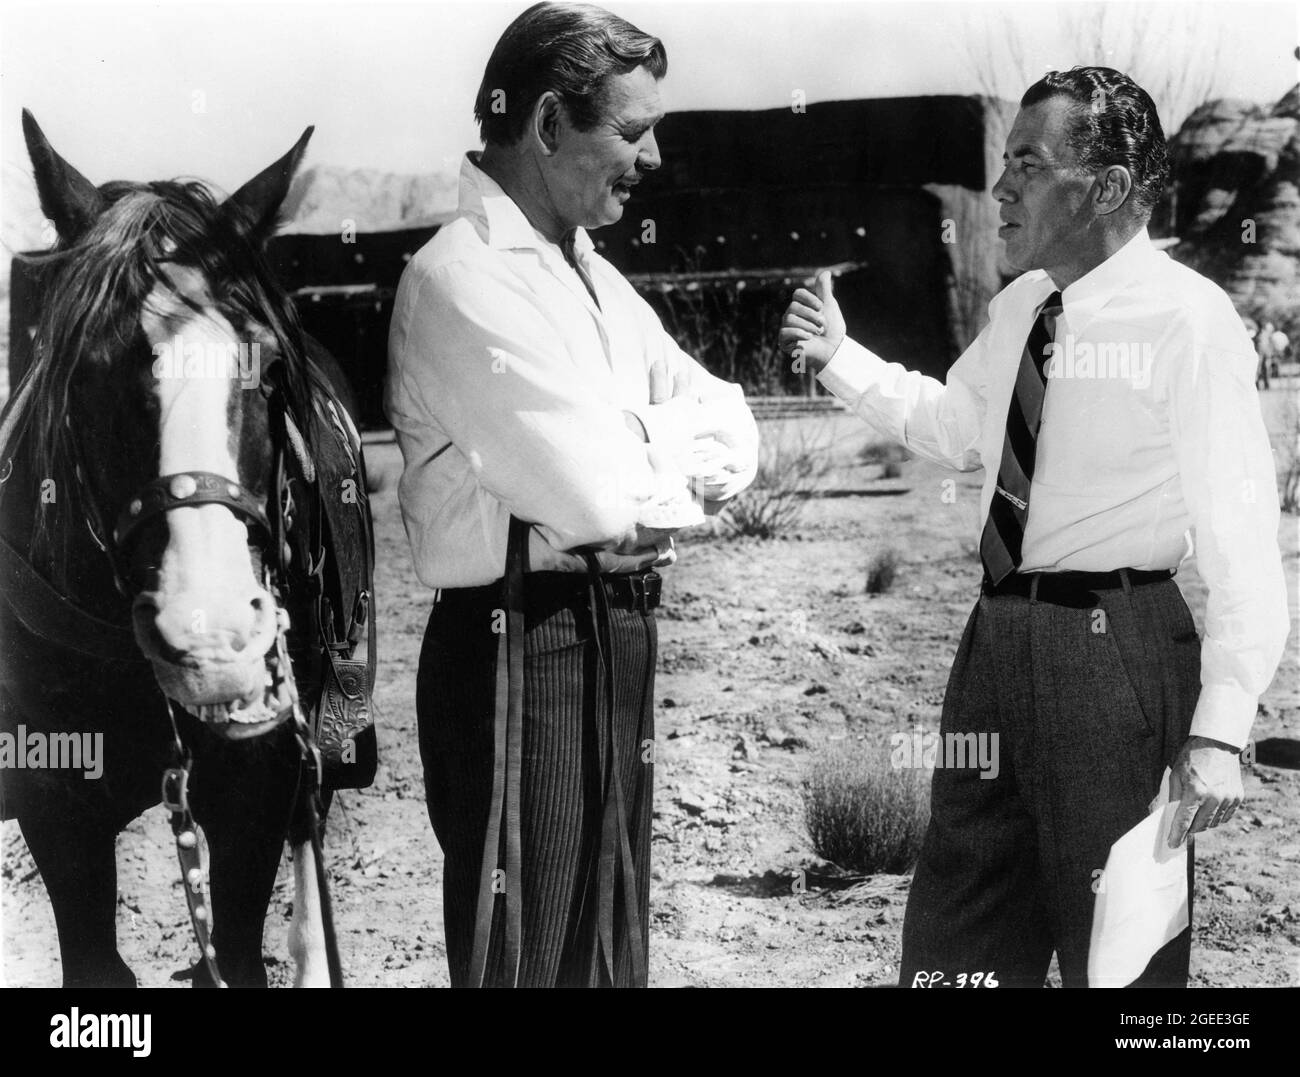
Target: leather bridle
pixel 191 488
pixel 183 489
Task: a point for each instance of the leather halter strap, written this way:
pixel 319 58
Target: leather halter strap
pixel 184 489
pixel 504 811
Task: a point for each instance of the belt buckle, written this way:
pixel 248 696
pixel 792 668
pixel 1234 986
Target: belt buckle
pixel 645 590
pixel 175 789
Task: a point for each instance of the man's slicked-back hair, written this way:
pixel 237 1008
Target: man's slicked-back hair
pixel 571 49
pixel 1115 124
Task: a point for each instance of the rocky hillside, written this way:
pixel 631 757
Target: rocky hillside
pixel 1237 169
pixel 323 197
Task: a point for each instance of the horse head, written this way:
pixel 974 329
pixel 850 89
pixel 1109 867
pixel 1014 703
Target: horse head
pixel 160 323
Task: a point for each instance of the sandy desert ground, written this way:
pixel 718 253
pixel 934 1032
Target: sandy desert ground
pixel 770 651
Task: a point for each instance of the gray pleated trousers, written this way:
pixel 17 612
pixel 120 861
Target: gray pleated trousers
pixel 1086 721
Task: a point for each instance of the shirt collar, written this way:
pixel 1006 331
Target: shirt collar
pixel 506 226
pixel 1086 297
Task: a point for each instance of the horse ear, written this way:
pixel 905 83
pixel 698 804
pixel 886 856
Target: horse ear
pixel 67 198
pixel 259 199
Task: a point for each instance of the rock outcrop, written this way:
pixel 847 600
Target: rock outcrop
pixel 325 198
pixel 1237 169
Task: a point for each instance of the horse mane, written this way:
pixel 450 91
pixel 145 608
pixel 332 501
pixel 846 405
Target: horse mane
pixel 92 292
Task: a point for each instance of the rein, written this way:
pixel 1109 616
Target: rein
pixel 175 798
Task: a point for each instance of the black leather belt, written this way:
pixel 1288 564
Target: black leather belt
pixel 638 590
pixel 1077 589
pixel 546 592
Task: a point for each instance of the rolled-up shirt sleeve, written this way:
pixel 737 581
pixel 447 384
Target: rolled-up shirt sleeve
pixel 1229 486
pixel 941 422
pixel 484 362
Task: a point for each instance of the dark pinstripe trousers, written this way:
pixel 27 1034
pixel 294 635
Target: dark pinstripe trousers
pixel 567 734
pixel 1089 708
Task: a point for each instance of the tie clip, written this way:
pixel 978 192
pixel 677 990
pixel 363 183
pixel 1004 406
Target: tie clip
pixel 1021 505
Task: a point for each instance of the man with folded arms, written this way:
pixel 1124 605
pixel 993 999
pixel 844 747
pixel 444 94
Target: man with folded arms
pixel 553 435
pixel 1111 401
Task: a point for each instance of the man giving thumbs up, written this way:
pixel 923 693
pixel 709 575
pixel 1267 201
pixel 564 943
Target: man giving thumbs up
pixel 1110 400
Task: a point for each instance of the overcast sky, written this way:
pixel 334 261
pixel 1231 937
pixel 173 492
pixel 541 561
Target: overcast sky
pixel 218 90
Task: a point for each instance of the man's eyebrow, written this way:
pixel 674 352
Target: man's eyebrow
pixel 1026 150
pixel 644 121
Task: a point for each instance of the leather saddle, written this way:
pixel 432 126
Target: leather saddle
pixel 329 536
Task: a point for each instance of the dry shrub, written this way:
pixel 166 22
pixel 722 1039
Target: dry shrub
pixel 788 472
pixel 883 452
pixel 863 814
pixel 881 571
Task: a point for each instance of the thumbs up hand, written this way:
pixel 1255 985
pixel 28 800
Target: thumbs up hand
pixel 813 326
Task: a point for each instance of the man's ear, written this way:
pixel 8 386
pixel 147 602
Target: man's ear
pixel 548 114
pixel 1114 185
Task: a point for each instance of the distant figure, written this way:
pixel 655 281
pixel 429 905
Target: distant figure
pixel 1264 349
pixel 1281 347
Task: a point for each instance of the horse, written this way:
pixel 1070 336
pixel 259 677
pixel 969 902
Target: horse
pixel 186 553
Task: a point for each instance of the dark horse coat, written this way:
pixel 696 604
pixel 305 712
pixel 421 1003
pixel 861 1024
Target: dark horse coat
pixel 80 441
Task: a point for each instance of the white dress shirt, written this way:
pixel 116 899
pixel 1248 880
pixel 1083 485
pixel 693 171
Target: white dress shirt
pixel 507 387
pixel 1151 438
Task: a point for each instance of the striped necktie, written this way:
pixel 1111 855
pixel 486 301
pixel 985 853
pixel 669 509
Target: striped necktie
pixel 570 251
pixel 1004 530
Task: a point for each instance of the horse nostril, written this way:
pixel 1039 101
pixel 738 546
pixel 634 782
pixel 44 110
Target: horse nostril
pixel 264 611
pixel 212 624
